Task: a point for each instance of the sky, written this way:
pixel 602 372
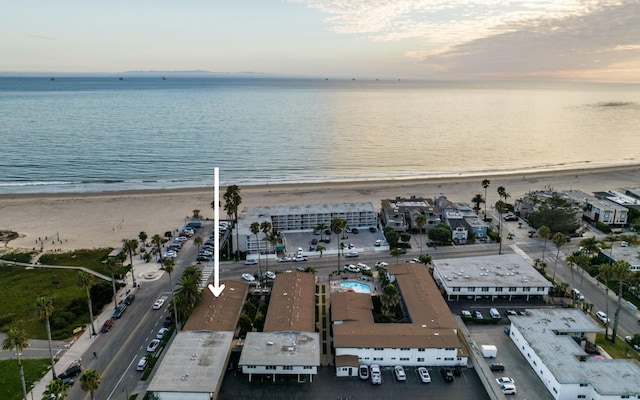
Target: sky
pixel 595 40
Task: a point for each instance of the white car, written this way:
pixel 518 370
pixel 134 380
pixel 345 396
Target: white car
pixel 299 258
pixel 505 380
pixel 376 376
pixel 363 372
pixel 158 304
pixel 153 345
pixel 399 371
pixel 142 364
pixel 351 268
pixel 378 242
pixel 251 261
pixel 508 388
pixel 363 267
pixel 602 317
pixel 270 275
pixel 424 375
pixel 284 259
pixel 248 277
pixel 161 333
pixel 381 264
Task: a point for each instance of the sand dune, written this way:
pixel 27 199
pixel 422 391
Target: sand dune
pixel 75 221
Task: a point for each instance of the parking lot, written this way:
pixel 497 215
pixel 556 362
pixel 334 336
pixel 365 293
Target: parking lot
pixel 362 242
pixel 326 385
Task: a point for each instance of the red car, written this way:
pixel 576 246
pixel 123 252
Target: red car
pixel 106 327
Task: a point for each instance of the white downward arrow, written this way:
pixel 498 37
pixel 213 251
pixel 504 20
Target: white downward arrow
pixel 216 288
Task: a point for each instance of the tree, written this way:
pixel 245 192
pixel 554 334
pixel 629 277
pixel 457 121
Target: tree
pixel 389 298
pixel 56 389
pixel 44 308
pixel 143 237
pixel 90 382
pixel 17 340
pixel 558 239
pixel 545 233
pixel 189 292
pixel 169 265
pixel 440 233
pixel 321 227
pixel 157 241
pixel 557 214
pixel 620 272
pixel 396 253
pixel 337 226
pixel 605 272
pixel 425 258
pixel 112 266
pixel 420 221
pixel 130 246
pixel 85 280
pixel 255 229
pixel 198 241
pixel 233 200
pixel 265 227
pixel 485 185
pixel 477 200
pixel 502 207
pixel 590 245
pixel 321 249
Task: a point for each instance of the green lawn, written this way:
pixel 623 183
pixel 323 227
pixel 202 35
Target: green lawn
pixel 620 349
pixel 20 287
pixel 92 259
pixel 10 386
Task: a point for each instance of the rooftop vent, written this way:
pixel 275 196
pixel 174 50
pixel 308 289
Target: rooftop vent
pixel 269 343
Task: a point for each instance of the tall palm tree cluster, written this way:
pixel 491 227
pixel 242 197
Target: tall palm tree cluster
pixel 232 203
pixel 188 294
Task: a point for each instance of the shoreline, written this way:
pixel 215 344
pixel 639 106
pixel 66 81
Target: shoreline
pixel 70 221
pixel 534 174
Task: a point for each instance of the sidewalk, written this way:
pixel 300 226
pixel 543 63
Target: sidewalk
pixel 145 272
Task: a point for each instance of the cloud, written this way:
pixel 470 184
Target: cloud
pixel 501 37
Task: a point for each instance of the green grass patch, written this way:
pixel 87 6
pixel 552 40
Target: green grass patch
pixel 22 257
pixel 10 386
pixel 21 287
pixel 92 259
pixel 619 350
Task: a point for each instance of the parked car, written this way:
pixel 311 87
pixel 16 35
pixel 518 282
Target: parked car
pixel 168 321
pixel 161 333
pixel 67 381
pixel 378 243
pixel 351 268
pixel 117 313
pixel 129 299
pixel 352 254
pixel 284 259
pixel 248 277
pixel 381 264
pixel 251 261
pixel 373 229
pixel 202 257
pixel 363 372
pixel 575 293
pixel 477 314
pixel 314 241
pixel 376 375
pixel 158 304
pixel 153 345
pixel 465 314
pixel 399 372
pixel 299 258
pixel 106 327
pixel 73 370
pixel 496 367
pixel 142 364
pixel 354 230
pixel 423 373
pixel 270 275
pixel 602 317
pixel 447 375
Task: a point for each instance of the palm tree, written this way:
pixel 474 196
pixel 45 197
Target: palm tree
pixel 501 206
pixel 189 292
pixel 232 204
pixel 321 249
pixel 56 389
pixel 44 308
pixel 396 253
pixel 169 265
pixel 425 258
pixel 265 227
pixel 17 340
pixel 90 382
pixel 485 185
pixel 421 221
pixel 605 272
pixel 255 229
pixel 337 226
pixel 545 233
pixel 143 237
pixel 477 199
pixel 389 298
pixel 112 266
pixel 590 245
pixel 620 272
pixel 198 241
pixel 130 246
pixel 85 281
pixel 558 239
pixel 156 240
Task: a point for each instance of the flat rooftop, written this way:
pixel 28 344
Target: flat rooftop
pixel 195 362
pixel 505 270
pixel 543 330
pixel 281 348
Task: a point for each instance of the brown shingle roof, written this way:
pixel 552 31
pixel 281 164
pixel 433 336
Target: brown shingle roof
pixel 432 324
pixel 292 304
pixel 219 313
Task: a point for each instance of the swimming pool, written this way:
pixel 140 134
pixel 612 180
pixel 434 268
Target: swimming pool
pixel 357 287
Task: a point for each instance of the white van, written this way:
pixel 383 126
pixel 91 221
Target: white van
pixel 494 313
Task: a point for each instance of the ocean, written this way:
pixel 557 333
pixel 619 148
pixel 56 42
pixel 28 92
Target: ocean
pixel 138 131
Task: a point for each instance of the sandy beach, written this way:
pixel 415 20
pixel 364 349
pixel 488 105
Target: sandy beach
pixel 92 220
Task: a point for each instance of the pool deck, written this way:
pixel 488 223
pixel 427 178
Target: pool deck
pixel 365 280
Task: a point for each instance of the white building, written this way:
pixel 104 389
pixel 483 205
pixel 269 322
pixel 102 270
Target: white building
pixel 553 342
pixel 500 276
pixel 596 210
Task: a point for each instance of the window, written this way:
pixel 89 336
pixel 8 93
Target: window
pixel 582 396
pixel 512 289
pixel 498 289
pixel 526 289
pixel 404 358
pixel 421 349
pixel 420 359
pixel 377 358
pixel 472 289
pixel 404 349
pixel 378 349
pixel 583 385
pixel 540 289
pixel 485 289
pixel 448 358
pixel 287 368
pixel 271 367
pixel 456 289
pixel 307 367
